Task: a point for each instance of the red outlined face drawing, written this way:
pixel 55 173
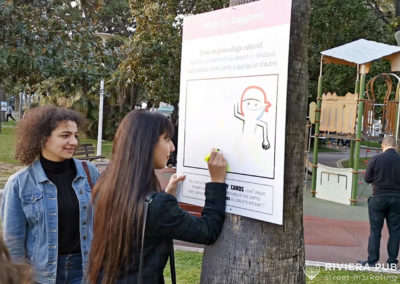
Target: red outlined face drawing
pixel 250 110
pixel 254 98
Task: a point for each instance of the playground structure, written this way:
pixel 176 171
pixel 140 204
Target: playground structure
pixel 352 116
pixel 390 107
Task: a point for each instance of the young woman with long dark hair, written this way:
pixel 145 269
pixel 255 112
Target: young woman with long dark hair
pixel 141 145
pixel 46 209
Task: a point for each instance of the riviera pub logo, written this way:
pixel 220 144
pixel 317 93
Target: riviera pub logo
pixel 311 271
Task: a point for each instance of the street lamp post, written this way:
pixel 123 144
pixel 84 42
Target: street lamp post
pixel 100 125
pixel 104 37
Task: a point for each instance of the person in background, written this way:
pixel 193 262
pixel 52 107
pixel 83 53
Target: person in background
pixel 383 172
pixel 46 209
pixel 141 145
pixel 173 157
pixel 9 113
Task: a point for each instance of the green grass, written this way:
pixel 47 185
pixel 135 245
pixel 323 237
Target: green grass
pixel 188 270
pixel 7 142
pixel 106 146
pixel 371 144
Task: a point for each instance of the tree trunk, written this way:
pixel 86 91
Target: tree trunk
pixel 250 251
pixel 2 113
pixel 133 96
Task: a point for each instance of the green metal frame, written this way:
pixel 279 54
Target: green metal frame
pixel 316 135
pixel 358 140
pixel 398 112
pixel 356 91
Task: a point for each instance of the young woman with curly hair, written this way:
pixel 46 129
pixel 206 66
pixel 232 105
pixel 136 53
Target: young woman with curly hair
pixel 141 145
pixel 46 211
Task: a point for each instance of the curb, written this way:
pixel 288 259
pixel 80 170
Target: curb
pixel 190 249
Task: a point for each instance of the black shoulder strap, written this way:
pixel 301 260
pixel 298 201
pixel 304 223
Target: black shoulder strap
pixel 148 200
pixel 146 209
pixel 172 263
pixel 86 168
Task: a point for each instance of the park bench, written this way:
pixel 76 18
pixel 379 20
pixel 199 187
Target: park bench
pixel 87 152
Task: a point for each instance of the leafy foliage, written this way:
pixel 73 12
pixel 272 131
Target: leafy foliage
pixel 154 53
pixel 52 48
pixel 336 22
pixel 48 40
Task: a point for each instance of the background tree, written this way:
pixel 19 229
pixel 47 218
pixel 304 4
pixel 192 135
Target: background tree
pixel 154 53
pixel 251 251
pixel 51 48
pixel 43 40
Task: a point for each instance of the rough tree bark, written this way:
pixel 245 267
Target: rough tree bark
pixel 249 251
pixel 2 113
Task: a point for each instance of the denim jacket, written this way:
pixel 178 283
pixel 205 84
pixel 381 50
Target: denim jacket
pixel 29 216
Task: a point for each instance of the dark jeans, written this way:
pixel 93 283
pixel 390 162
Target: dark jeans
pixel 379 209
pixel 69 269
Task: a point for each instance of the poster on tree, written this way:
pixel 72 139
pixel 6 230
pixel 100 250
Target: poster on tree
pixel 234 74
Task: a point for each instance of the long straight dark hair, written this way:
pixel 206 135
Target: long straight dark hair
pixel 120 193
pixel 13 273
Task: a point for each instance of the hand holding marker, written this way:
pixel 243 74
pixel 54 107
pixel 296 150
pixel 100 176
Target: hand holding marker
pixel 217 166
pixel 207 158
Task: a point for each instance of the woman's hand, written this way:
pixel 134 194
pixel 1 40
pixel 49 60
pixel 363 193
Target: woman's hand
pixel 217 166
pixel 173 183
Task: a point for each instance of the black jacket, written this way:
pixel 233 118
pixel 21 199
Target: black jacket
pixel 167 221
pixel 383 172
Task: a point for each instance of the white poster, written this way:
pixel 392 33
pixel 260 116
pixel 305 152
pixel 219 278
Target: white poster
pixel 233 97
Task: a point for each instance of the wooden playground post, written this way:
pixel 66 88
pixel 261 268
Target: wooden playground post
pixel 351 160
pixel 396 137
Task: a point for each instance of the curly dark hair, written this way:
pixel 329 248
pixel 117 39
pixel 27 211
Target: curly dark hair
pixel 36 126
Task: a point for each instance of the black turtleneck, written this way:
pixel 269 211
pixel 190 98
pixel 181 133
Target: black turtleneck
pixel 62 175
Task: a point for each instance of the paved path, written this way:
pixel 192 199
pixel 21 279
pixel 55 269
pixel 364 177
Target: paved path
pixel 335 232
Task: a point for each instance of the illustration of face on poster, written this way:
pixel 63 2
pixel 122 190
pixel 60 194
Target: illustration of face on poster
pixel 237 117
pixel 250 110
